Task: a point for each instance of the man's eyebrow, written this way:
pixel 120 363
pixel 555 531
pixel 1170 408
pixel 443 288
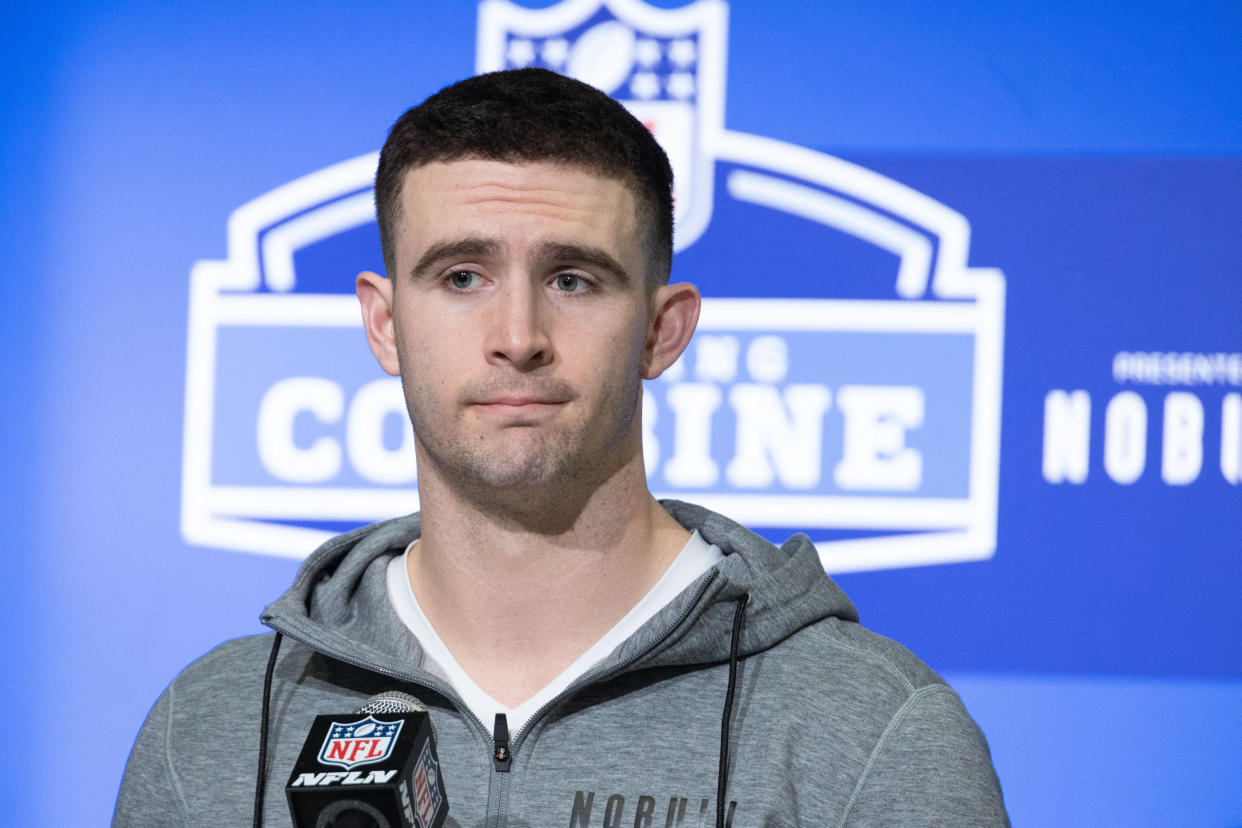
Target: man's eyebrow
pixel 460 248
pixel 584 254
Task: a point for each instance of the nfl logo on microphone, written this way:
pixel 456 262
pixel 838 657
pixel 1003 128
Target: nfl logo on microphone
pixel 389 775
pixel 359 743
pixel 427 794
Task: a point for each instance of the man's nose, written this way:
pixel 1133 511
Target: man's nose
pixel 517 327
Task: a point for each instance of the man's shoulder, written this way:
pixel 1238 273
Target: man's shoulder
pixel 198 744
pixel 231 669
pixel 839 658
pixel 873 698
pixel 243 650
pixel 852 646
pixel 919 755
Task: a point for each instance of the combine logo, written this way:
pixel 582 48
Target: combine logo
pixel 865 411
pixel 359 743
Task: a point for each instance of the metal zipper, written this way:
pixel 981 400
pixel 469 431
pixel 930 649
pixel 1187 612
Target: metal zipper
pixel 502 755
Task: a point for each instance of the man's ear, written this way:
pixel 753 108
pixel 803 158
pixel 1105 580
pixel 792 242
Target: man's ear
pixel 675 313
pixel 375 297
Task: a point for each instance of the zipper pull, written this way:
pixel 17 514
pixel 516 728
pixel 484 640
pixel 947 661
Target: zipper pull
pixel 500 738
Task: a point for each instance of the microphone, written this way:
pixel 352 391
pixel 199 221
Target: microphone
pixel 374 768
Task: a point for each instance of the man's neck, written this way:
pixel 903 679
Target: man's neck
pixel 515 605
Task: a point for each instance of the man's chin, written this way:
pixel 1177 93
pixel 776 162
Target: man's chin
pixel 517 472
pixel 524 467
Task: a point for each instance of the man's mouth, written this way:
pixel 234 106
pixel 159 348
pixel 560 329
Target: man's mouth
pixel 515 405
pixel 531 400
pixel 520 401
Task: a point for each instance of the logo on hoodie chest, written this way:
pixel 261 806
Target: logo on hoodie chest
pixel 864 410
pixel 592 810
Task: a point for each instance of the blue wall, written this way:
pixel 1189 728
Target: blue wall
pixel 1095 153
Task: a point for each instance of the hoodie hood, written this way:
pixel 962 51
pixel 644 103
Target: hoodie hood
pixel 339 605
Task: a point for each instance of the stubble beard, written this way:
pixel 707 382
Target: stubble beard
pixel 529 469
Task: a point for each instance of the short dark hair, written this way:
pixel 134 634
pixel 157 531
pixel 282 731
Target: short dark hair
pixel 531 115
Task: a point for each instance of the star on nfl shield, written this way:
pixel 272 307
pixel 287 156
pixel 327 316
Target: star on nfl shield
pixel 364 742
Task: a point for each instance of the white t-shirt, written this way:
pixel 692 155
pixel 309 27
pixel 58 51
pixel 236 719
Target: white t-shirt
pixel 695 558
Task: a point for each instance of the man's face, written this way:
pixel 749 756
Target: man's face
pixel 521 323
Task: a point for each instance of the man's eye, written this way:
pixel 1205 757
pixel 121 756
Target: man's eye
pixel 463 279
pixel 569 283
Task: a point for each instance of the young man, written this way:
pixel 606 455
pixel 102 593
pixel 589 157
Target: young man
pixel 640 663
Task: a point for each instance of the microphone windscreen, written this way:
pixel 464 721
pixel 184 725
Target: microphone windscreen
pixel 392 701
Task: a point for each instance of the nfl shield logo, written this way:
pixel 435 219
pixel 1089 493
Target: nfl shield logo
pixel 665 66
pixel 364 742
pixel 427 796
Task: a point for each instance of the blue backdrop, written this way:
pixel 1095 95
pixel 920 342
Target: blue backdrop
pixel 1094 153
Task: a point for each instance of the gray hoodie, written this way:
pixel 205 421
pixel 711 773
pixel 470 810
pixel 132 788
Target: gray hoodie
pixel 831 724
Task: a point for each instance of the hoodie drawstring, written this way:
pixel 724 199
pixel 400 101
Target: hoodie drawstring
pixel 261 781
pixel 723 773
